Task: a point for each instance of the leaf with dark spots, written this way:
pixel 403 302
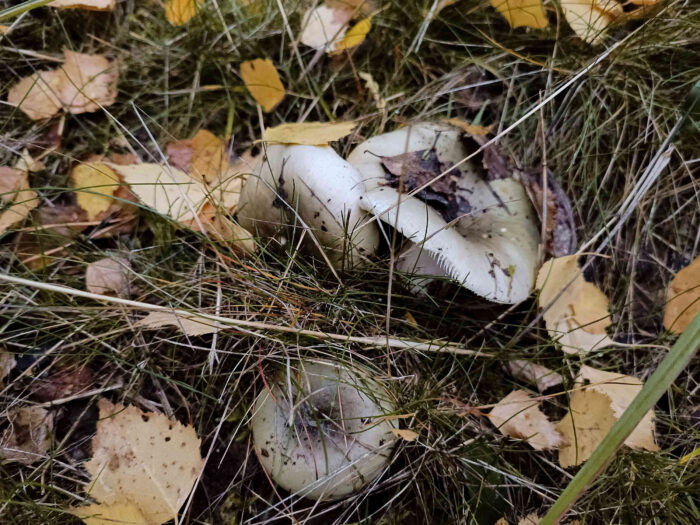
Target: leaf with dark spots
pixel 560 228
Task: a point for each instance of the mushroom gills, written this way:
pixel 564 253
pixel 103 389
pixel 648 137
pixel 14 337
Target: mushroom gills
pixel 309 187
pixel 322 433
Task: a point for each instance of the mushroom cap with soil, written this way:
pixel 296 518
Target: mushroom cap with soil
pixel 475 223
pixel 310 187
pixel 320 431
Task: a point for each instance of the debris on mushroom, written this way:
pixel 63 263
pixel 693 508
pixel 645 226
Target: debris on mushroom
pixel 474 224
pixel 313 190
pixel 321 431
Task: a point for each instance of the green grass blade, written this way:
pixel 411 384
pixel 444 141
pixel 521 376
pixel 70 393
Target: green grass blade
pixel 18 9
pixel 669 369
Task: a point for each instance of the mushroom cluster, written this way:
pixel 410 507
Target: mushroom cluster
pixel 321 429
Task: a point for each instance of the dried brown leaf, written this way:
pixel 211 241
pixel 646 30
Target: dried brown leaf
pixel 111 276
pixel 28 437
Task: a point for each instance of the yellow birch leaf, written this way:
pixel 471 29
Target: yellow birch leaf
pixel 142 459
pixel 308 133
pixel 683 298
pixel 91 5
pixel 590 18
pixel 178 12
pixel 187 325
pixel 354 37
pixel 518 416
pixel 37 94
pixel 518 13
pixel 263 82
pixel 95 184
pixel 209 158
pixel 125 513
pixel 577 319
pixel 405 434
pixel 17 200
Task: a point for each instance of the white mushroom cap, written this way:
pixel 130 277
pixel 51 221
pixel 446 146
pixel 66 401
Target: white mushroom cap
pixel 323 435
pixel 492 249
pixel 323 189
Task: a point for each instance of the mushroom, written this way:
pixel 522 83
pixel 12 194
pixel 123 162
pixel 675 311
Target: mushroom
pixel 475 224
pixel 321 431
pixel 316 189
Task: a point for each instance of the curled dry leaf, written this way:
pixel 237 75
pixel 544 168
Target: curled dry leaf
pixel 111 276
pixel 554 209
pixel 308 133
pixel 518 416
pixel 405 434
pixel 519 13
pixel 193 326
pixel 534 374
pixel 179 12
pixel 324 27
pixel 28 437
pixel 577 311
pixel 17 200
pixel 263 82
pixel 91 5
pixel 683 298
pixel 593 411
pixel 95 184
pixel 83 84
pixel 472 129
pixel 141 461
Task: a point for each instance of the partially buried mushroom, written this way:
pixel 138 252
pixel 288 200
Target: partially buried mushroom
pixel 321 431
pixel 315 191
pixel 475 224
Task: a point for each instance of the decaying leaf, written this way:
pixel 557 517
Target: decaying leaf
pixel 143 466
pixel 187 325
pixel 683 298
pixel 534 374
pixel 111 276
pixel 95 184
pixel 354 37
pixel 84 83
pixel 405 434
pixel 323 27
pixel 577 313
pixel 26 440
pixel 91 5
pixel 7 363
pixel 555 209
pixel 519 13
pixel 178 12
pixel 594 409
pixel 472 129
pixel 263 82
pixel 590 18
pixel 64 382
pixel 17 200
pixel 309 133
pixel 518 416
pixel 170 192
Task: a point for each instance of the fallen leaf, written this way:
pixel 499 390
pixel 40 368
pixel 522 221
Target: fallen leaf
pixel 518 416
pixel 178 12
pixel 590 18
pixel 95 184
pixel 593 411
pixel 180 154
pixel 532 373
pixel 309 133
pixel 373 88
pixel 225 230
pixel 111 276
pixel 683 298
pixel 405 434
pixel 323 27
pixel 4 29
pixel 28 163
pixel 28 437
pixel 62 383
pixel 169 192
pixel 519 13
pixel 209 158
pixel 17 200
pixel 560 228
pixel 83 84
pixel 91 5
pixel 193 326
pixel 119 513
pixel 530 519
pixel 577 319
pixel 263 82
pixel 354 37
pixel 7 363
pixel 141 460
pixel 472 129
